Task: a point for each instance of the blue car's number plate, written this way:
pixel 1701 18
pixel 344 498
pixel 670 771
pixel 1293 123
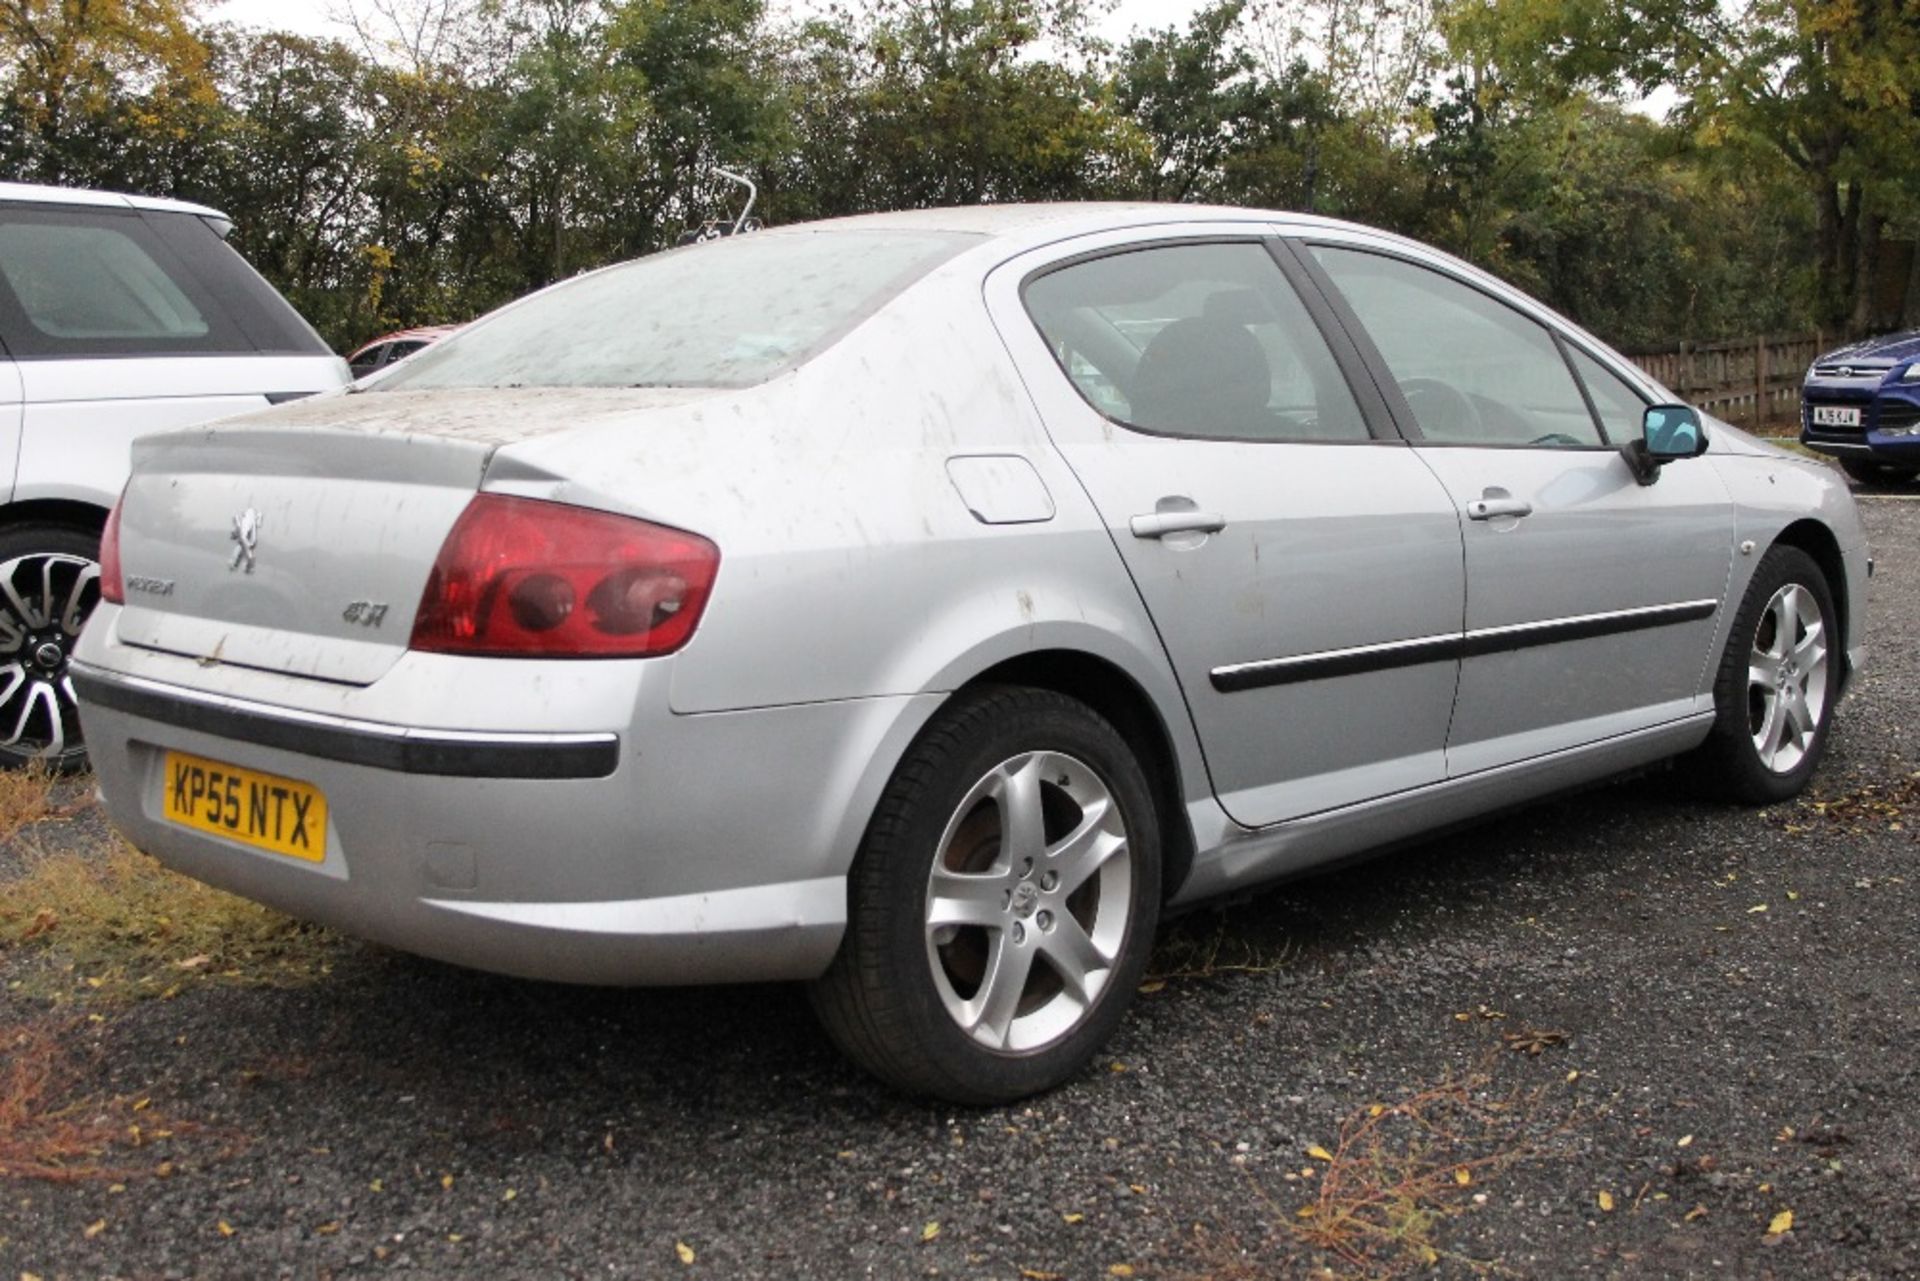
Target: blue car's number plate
pixel 1836 416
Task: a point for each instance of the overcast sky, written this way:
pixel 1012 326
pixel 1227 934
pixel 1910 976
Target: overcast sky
pixel 310 17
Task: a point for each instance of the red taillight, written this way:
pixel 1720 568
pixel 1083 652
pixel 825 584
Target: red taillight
pixel 113 585
pixel 523 577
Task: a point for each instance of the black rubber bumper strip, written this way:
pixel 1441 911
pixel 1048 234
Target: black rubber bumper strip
pixel 402 750
pixel 1366 659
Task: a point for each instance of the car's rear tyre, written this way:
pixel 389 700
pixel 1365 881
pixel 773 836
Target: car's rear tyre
pixel 1778 681
pixel 1002 905
pixel 49 585
pixel 1869 471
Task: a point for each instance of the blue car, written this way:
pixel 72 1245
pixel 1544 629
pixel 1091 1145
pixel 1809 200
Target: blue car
pixel 1861 404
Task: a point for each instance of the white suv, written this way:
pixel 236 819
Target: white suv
pixel 119 315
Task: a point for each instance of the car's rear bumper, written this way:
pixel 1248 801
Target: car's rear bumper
pixel 708 848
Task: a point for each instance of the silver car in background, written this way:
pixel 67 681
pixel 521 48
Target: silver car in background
pixel 916 605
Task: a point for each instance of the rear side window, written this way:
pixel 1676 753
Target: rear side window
pixel 103 282
pixel 730 313
pixel 1204 340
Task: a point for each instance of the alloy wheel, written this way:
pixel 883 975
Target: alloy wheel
pixel 1787 678
pixel 1027 901
pixel 45 598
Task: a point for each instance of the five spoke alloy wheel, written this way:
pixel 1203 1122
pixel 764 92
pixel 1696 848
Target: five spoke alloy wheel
pixel 1003 903
pixel 49 585
pixel 1787 678
pixel 1027 901
pixel 1778 680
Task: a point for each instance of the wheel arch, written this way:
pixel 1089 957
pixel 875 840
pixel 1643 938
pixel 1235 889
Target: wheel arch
pixel 56 511
pixel 1818 541
pixel 1120 700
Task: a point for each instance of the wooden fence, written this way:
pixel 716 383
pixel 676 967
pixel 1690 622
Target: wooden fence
pixel 1750 382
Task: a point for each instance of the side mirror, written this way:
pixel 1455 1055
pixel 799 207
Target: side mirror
pixel 1667 433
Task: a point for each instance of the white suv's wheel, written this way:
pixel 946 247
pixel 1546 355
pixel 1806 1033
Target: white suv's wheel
pixel 49 584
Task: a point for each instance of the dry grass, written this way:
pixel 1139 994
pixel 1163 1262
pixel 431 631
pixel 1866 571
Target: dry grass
pixel 46 1135
pixel 117 923
pixel 1199 947
pixel 1382 1193
pixel 26 798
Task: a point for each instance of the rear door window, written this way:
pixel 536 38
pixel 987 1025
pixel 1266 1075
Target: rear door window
pixel 1205 340
pixel 83 281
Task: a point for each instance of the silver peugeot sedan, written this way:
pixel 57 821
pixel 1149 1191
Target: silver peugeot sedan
pixel 918 605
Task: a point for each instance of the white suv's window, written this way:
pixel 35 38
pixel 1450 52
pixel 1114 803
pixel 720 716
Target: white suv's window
pixel 102 282
pixel 92 282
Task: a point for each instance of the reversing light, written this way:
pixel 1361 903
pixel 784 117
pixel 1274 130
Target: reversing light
pixel 522 577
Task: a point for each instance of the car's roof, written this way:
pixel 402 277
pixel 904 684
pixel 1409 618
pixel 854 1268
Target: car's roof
pixel 1066 218
pixel 35 193
pixel 421 333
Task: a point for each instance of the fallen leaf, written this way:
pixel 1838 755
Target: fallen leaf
pixel 1781 1222
pixel 193 962
pixel 376 1186
pixel 1531 1041
pixel 455 1237
pixel 1462 1177
pixel 1606 1202
pixel 225 1228
pixel 141 1105
pixel 326 1229
pixel 684 1250
pixel 1306 1212
pixel 1035 1274
pixel 1757 907
pixel 446 1182
pixel 1149 988
pixel 1697 1212
pixel 508 1195
pixel 1686 1141
pixel 1120 1270
pixel 1075 1217
pixel 931 1231
pixel 94 1229
pixel 1319 1153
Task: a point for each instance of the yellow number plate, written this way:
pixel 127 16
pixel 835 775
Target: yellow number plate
pixel 263 810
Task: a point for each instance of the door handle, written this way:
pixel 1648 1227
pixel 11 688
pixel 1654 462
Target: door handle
pixel 1491 508
pixel 1160 524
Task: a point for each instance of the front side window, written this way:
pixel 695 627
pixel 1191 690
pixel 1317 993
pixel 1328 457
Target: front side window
pixel 1203 340
pixel 1620 407
pixel 1473 370
pixel 731 313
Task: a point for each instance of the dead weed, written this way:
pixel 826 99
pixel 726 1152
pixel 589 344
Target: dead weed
pixel 45 1134
pixel 117 923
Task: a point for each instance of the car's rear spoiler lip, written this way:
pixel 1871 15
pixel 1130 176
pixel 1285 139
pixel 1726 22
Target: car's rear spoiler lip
pixel 402 749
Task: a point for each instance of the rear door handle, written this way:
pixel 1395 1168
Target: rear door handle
pixel 1160 524
pixel 1491 508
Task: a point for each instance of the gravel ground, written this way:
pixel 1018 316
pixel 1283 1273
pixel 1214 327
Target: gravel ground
pixel 1699 1067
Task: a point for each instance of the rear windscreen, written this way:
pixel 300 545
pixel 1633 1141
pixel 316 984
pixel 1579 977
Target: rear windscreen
pixel 729 313
pixel 81 281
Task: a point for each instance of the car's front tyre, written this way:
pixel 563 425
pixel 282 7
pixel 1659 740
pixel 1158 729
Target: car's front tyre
pixel 49 585
pixel 1002 905
pixel 1778 681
